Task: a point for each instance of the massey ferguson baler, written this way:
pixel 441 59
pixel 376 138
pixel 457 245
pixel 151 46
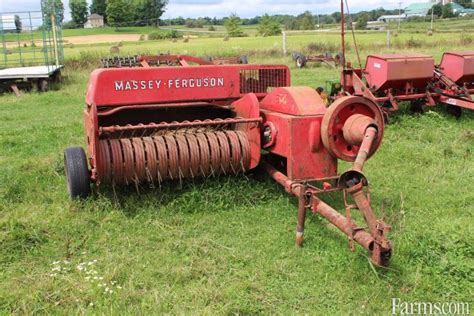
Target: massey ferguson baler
pixel 156 125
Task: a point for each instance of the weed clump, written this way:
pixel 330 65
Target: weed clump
pixel 413 43
pixel 322 47
pixel 163 35
pixel 466 39
pixel 114 50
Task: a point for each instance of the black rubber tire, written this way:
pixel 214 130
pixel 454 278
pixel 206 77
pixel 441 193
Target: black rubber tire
pixel 77 173
pixel 339 59
pixel 417 107
pixel 243 60
pixel 43 85
pixel 455 111
pixel 300 61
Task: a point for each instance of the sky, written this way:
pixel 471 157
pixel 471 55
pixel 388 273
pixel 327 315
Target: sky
pixel 243 8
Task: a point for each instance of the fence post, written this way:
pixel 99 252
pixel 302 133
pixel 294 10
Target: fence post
pixel 388 38
pixel 55 40
pixel 4 41
pixel 284 43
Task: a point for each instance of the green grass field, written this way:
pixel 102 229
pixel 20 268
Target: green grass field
pixel 226 246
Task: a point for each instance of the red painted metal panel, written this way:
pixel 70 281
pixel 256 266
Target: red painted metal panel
pixel 396 70
pixel 129 86
pixel 458 66
pixel 295 101
pixel 295 134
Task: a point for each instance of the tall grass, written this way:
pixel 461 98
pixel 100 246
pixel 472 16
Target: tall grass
pixel 226 245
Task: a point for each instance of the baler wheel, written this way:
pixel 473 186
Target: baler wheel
pixel 455 111
pixel 77 173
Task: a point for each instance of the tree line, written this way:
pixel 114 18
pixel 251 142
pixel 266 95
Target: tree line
pixel 149 12
pixel 117 12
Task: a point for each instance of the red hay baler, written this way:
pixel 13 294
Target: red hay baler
pixel 152 125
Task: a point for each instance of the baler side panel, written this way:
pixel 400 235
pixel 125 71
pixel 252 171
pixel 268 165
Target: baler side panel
pixel 128 86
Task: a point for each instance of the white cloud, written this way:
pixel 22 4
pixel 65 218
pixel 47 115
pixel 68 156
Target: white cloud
pixel 250 8
pixel 243 8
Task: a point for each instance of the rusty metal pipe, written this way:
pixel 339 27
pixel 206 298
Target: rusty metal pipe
pixel 282 180
pixel 364 149
pixel 334 217
pixel 405 97
pixel 301 218
pixel 318 206
pixel 118 128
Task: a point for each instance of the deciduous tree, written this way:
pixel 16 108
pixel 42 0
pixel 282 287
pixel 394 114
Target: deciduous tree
pixel 99 7
pixel 18 25
pixel 50 7
pixel 78 11
pixel 117 13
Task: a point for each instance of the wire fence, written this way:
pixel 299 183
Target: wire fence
pixel 30 38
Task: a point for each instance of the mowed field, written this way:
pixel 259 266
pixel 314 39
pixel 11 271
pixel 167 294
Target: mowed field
pixel 226 245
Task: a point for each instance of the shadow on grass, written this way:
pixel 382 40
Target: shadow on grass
pixel 213 194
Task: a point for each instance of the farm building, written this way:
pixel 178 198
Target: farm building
pixel 94 21
pixel 396 17
pixel 418 9
pixel 459 9
pixel 442 2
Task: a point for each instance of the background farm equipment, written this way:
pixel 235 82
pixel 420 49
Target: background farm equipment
pixel 168 60
pixel 301 60
pixel 454 81
pixel 394 78
pixel 34 60
pixel 223 120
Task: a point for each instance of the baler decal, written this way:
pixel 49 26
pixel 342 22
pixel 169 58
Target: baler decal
pixel 208 82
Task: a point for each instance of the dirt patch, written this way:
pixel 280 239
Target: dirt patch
pixel 85 39
pixel 102 38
